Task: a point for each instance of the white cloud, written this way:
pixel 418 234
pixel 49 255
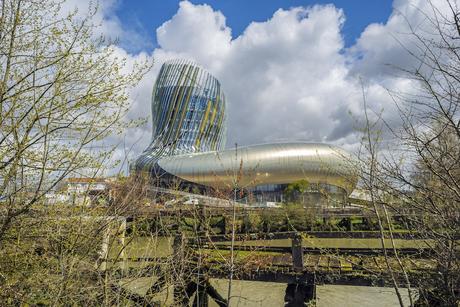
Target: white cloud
pixel 383 48
pixel 290 77
pixel 197 30
pixel 278 75
pixel 107 23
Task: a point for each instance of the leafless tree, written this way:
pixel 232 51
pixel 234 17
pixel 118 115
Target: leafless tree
pixel 419 176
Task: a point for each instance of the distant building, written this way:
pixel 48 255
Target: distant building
pixel 188 139
pixel 81 191
pixel 54 198
pixel 86 185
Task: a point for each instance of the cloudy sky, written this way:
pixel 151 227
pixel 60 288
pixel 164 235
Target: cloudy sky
pixel 291 70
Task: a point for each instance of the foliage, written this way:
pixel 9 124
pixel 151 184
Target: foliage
pixel 295 189
pixel 63 90
pixel 63 93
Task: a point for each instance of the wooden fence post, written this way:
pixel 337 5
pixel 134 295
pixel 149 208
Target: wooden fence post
pixel 181 287
pixel 121 240
pixel 297 252
pixel 104 251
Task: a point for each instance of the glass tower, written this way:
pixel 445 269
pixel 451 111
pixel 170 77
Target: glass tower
pixel 188 112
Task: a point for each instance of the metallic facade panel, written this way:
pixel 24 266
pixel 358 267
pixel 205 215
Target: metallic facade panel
pixel 265 164
pixel 188 111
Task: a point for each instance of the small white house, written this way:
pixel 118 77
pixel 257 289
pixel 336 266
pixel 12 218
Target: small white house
pixel 82 191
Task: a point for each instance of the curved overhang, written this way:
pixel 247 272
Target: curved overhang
pixel 265 164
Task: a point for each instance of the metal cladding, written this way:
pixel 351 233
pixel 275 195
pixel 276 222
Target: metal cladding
pixel 266 164
pixel 188 112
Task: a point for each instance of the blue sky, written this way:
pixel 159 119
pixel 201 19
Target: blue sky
pixel 144 16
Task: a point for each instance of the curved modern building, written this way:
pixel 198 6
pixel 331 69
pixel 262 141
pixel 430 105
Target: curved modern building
pixel 188 112
pixel 188 139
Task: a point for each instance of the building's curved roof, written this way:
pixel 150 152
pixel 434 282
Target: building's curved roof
pixel 265 164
